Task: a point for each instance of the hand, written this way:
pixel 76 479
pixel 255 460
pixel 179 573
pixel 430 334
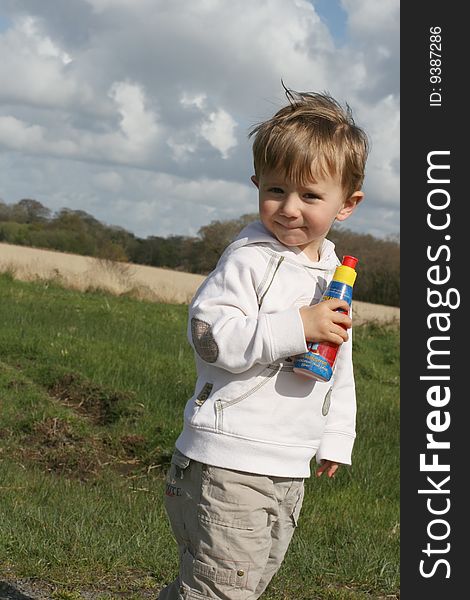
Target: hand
pixel 323 323
pixel 330 466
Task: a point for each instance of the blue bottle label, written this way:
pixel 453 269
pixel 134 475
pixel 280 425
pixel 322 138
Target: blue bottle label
pixel 336 289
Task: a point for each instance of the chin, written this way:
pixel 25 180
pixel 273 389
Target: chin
pixel 291 242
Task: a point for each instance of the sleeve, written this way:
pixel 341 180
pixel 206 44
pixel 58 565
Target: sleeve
pixel 339 435
pixel 225 325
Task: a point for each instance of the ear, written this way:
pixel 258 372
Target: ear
pixel 349 206
pixel 255 180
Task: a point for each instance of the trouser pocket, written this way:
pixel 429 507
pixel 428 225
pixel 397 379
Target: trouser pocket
pixel 179 493
pixel 298 505
pixel 178 466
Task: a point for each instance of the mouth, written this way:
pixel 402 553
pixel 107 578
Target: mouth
pixel 289 227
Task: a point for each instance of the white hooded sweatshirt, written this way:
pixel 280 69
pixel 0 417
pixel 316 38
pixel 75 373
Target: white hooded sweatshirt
pixel 250 411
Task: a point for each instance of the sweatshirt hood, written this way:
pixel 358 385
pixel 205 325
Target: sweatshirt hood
pixel 256 233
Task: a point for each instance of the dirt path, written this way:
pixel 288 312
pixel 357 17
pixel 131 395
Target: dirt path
pixel 32 589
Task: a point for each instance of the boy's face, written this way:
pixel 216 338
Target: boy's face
pixel 302 215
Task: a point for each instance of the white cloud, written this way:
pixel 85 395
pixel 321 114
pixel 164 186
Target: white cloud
pixel 137 122
pixel 372 19
pixel 100 6
pixel 16 135
pixel 197 100
pixel 43 45
pixel 384 129
pixel 374 30
pixel 109 181
pixel 218 130
pixel 215 126
pixel 34 70
pixel 132 93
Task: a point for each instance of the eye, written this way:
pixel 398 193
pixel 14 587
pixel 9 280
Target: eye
pixel 311 197
pixel 276 190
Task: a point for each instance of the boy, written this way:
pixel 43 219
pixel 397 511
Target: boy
pixel 235 486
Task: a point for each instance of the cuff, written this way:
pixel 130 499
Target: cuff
pixel 337 447
pixel 287 333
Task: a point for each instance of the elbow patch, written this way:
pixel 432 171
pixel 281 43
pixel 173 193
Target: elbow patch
pixel 203 340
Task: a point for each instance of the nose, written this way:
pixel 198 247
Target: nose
pixel 290 206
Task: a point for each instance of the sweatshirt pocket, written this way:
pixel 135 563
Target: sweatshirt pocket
pixel 281 409
pixel 221 405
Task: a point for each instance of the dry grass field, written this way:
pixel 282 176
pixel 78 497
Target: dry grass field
pixel 139 281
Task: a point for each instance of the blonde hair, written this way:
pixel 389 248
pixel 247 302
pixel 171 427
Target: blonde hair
pixel 313 136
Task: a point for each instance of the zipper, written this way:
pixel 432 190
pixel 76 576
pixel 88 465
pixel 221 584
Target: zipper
pixel 220 407
pixel 273 369
pixel 262 284
pixel 279 262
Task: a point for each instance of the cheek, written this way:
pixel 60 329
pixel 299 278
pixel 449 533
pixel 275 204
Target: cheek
pixel 322 220
pixel 266 209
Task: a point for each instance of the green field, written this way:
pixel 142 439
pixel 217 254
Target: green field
pixel 92 391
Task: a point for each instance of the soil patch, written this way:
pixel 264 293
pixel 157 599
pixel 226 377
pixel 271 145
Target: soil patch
pixel 57 448
pixel 101 405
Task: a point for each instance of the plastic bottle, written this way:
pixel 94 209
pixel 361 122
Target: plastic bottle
pixel 318 363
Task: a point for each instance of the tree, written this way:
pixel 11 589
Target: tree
pixel 5 211
pixel 215 237
pixel 28 210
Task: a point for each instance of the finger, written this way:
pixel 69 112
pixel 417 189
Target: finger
pixel 321 469
pixel 340 335
pixel 332 470
pixel 336 340
pixel 341 319
pixel 337 303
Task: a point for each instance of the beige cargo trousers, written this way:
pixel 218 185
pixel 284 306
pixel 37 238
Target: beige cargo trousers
pixel 232 529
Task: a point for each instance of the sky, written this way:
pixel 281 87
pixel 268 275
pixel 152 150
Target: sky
pixel 138 111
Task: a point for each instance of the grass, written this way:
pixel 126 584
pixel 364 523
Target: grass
pixel 92 392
